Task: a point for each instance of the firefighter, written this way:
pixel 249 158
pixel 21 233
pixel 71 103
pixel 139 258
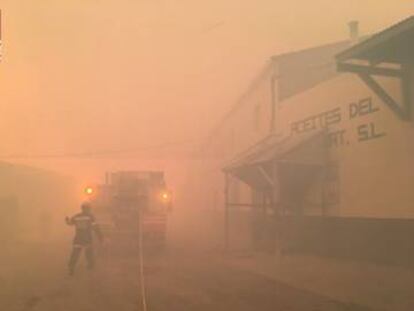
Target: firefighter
pixel 85 227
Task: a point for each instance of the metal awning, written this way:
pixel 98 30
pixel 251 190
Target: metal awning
pixel 255 165
pixel 294 160
pixel 389 53
pixel 392 45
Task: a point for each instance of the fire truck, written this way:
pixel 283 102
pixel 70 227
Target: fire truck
pixel 132 206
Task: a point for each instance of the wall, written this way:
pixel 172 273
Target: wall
pixel 247 123
pixel 371 147
pixel 35 201
pixel 382 241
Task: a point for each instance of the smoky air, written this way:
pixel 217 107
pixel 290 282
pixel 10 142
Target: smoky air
pixel 206 155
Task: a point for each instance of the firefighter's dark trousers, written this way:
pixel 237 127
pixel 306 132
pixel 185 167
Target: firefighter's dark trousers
pixel 76 252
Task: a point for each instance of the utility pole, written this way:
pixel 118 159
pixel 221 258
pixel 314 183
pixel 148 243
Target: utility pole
pixel 226 212
pixel 1 39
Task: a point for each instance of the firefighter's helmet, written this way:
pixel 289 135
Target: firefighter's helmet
pixel 86 207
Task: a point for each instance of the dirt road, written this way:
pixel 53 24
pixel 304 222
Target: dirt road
pixel 176 280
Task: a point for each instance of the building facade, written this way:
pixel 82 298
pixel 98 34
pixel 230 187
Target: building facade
pixel 357 95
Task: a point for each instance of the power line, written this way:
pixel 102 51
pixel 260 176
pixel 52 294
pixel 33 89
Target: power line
pixel 212 27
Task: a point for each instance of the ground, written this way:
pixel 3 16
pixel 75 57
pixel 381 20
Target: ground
pixel 34 278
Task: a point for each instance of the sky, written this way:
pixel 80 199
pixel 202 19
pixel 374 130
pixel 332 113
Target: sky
pixel 91 75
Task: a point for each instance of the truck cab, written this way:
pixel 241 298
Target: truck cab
pixel 135 202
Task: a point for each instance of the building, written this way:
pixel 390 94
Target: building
pixel 325 136
pixel 33 202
